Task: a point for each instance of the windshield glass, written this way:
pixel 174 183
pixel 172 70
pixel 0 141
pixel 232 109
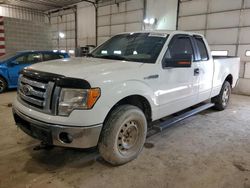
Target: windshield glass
pixel 7 56
pixel 139 47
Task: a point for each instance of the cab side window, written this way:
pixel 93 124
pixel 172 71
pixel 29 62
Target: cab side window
pixel 202 49
pixel 179 45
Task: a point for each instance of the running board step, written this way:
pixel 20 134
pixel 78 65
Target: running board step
pixel 171 121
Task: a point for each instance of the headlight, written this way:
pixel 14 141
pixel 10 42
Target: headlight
pixel 71 99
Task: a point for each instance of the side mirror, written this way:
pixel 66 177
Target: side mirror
pixel 179 61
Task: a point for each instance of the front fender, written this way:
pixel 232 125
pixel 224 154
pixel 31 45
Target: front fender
pixel 112 95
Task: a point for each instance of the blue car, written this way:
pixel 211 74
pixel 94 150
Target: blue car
pixel 11 64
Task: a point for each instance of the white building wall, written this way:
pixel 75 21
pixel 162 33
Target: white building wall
pixel 129 15
pixel 119 17
pixel 86 24
pixel 114 18
pixel 165 11
pixel 63 22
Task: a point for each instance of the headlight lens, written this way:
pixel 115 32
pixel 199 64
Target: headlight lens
pixel 71 99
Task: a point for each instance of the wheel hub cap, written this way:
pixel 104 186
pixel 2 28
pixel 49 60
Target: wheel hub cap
pixel 128 136
pixel 225 96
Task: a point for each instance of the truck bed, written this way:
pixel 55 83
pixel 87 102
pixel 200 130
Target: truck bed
pixel 232 66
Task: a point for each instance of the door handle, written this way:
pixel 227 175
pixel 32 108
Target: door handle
pixel 196 72
pixel 152 77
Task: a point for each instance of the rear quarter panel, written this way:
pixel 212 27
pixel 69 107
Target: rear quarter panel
pixel 222 68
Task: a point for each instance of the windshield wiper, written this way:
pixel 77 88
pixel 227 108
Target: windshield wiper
pixel 114 57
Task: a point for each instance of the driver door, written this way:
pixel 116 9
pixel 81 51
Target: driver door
pixel 178 84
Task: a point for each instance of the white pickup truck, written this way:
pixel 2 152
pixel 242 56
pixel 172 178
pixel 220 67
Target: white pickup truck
pixel 111 98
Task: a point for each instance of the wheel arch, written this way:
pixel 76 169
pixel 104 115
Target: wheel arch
pixel 229 78
pixel 136 100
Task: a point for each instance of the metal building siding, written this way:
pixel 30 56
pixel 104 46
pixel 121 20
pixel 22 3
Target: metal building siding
pixel 63 22
pixel 22 13
pixel 120 17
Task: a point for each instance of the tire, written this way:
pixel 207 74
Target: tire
pixel 123 135
pixel 221 101
pixel 3 85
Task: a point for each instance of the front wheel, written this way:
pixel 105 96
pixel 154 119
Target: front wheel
pixel 221 101
pixel 123 135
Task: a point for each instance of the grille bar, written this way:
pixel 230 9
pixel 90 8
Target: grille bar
pixel 36 94
pixel 33 83
pixel 36 102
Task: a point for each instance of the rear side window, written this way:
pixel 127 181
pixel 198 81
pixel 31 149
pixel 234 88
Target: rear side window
pixel 202 49
pixel 180 45
pixel 48 57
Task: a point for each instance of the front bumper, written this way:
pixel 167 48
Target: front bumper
pixel 58 135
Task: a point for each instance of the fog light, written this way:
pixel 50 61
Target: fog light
pixel 65 138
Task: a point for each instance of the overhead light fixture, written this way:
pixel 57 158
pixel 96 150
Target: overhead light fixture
pixel 63 51
pixel 150 21
pixel 61 35
pixel 146 21
pixel 71 51
pixel 248 53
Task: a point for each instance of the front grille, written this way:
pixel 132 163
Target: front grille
pixel 36 93
pixel 41 90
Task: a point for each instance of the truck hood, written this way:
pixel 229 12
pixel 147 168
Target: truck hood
pixel 85 67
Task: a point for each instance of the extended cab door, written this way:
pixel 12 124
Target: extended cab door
pixel 205 68
pixel 178 83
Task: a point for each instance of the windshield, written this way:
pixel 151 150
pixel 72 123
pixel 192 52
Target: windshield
pixel 7 56
pixel 139 47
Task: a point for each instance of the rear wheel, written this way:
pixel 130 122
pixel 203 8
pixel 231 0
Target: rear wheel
pixel 123 135
pixel 3 85
pixel 221 101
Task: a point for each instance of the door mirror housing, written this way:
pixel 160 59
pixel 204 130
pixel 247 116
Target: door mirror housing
pixel 179 61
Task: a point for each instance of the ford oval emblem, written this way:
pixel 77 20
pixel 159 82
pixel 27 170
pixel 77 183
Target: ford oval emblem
pixel 26 89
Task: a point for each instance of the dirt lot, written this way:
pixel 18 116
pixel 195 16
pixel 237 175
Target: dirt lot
pixel 209 150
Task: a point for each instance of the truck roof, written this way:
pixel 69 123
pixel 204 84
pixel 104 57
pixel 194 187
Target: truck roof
pixel 168 32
